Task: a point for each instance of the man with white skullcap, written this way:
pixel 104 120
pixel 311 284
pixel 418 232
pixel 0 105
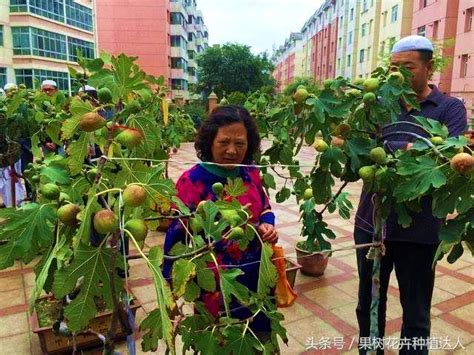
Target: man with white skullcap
pixel 410 251
pixel 49 87
pixel 10 89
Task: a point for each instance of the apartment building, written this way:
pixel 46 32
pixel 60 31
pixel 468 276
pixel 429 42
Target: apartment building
pixel 342 11
pixel 289 61
pixel 39 39
pixel 462 82
pixel 165 35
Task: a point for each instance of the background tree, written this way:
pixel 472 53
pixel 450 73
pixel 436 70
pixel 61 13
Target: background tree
pixel 232 67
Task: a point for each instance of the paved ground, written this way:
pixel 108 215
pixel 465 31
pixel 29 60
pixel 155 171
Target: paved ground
pixel 324 312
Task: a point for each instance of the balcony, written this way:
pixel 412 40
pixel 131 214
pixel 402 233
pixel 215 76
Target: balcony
pixel 179 52
pixel 199 41
pixel 178 7
pixel 192 63
pixel 179 74
pixel 192 46
pixel 178 30
pixel 190 27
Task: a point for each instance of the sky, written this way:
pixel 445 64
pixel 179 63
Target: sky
pixel 260 24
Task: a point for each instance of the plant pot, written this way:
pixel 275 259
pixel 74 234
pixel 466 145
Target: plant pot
pixel 56 344
pixel 291 271
pixel 311 264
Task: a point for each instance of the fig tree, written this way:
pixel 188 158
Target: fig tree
pixel 217 188
pixel 300 95
pixel 104 95
pixel 367 173
pixel 436 140
pixel 133 106
pixel 371 84
pixel 130 138
pixel 67 213
pixel 50 191
pixel 342 129
pixel 105 221
pixel 91 121
pixel 308 194
pixel 236 233
pixel 137 227
pixel 320 145
pixel 369 98
pixel 462 163
pixel 134 195
pixel 378 155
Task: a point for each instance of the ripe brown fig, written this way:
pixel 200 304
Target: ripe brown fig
pixel 91 121
pixel 67 213
pixel 337 142
pixel 134 195
pixel 462 163
pixel 138 228
pixel 342 129
pixel 105 221
pixel 130 138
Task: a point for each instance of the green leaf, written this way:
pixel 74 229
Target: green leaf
pixel 95 64
pixel 344 205
pixel 455 253
pixel 403 217
pixel 183 271
pixel 28 230
pixel 422 173
pixel 153 324
pixel 321 184
pixel 192 292
pixel 78 151
pixel 56 173
pixel 267 273
pixel 231 287
pixel 205 276
pixel 239 342
pixel 453 230
pixel 212 228
pixel 283 195
pixel 457 195
pixel 269 181
pixel 92 265
pixel 235 187
pixel 85 216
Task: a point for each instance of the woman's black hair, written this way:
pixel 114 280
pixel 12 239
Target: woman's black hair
pixel 223 116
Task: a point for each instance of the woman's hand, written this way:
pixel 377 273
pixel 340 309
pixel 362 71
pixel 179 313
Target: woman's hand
pixel 268 233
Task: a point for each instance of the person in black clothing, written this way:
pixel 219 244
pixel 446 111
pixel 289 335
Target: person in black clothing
pixel 410 251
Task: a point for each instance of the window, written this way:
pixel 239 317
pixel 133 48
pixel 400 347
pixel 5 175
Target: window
pixel 350 37
pixel 361 56
pixel 78 15
pixel 368 53
pixel 348 60
pixel 341 21
pixel 87 48
pixel 48 44
pixel 338 63
pixel 339 42
pixel 382 48
pixel 192 71
pixel 352 14
pixel 32 77
pixel 18 6
pixel 421 30
pixel 21 40
pixel 464 61
pixel 191 36
pixel 176 18
pixel 179 84
pixel 178 41
pixel 423 4
pixel 363 30
pixel 190 19
pixel 371 23
pixel 391 42
pixel 191 54
pixel 394 13
pixel 365 5
pixel 179 63
pixel 24 76
pixel 53 9
pixel 3 77
pixel 385 18
pixel 1 35
pixel 469 19
pixel 435 29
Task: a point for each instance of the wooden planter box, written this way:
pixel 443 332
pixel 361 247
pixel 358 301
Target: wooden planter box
pixel 292 268
pixel 56 344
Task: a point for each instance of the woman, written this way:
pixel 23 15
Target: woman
pixel 229 136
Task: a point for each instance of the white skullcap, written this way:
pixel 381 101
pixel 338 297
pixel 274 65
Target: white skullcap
pixel 10 86
pixel 413 43
pixel 87 88
pixel 49 82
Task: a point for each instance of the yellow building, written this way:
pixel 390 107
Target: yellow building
pixel 395 23
pixel 368 37
pixel 40 39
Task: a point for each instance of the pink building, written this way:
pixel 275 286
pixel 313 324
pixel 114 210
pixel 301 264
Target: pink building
pixel 462 84
pixel 437 20
pixel 140 30
pixel 165 35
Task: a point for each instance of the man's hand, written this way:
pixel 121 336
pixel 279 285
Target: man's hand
pixel 268 233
